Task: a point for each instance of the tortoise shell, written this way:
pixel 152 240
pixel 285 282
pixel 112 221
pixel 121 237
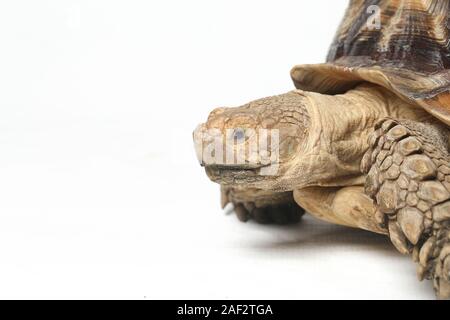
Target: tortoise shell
pixel 406 50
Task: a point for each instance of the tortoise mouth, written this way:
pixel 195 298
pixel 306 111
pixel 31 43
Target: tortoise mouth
pixel 231 176
pixel 236 167
pixel 241 174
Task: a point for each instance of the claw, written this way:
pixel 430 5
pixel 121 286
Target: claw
pixel 411 223
pixel 443 291
pixel 426 251
pixel 421 272
pixel 250 206
pixel 224 198
pixel 442 280
pixel 446 268
pixel 445 252
pixel 397 237
pixel 241 213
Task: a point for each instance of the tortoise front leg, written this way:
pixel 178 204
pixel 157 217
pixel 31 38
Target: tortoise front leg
pixel 408 166
pixel 263 206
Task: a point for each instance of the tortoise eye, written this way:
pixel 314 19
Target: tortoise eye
pixel 239 135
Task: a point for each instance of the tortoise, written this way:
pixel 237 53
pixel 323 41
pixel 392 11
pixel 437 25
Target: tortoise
pixel 363 140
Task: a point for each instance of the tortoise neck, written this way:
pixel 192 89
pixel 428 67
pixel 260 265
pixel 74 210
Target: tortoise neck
pixel 340 126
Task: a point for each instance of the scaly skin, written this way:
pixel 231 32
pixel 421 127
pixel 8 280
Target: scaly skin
pixel 323 139
pixel 255 196
pixel 285 113
pixel 263 206
pixel 408 168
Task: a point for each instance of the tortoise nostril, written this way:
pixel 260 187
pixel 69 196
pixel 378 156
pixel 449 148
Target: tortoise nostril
pixel 198 132
pixel 198 136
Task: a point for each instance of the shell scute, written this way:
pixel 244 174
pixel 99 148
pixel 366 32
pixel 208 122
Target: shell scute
pixel 408 53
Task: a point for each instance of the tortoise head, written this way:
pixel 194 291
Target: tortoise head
pixel 253 145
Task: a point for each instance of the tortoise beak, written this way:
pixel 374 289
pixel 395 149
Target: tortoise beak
pixel 197 136
pixel 205 139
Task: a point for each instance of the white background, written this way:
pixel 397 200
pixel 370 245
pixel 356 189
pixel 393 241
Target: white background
pixel 100 192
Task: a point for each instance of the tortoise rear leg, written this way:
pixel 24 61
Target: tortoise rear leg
pixel 408 166
pixel 263 206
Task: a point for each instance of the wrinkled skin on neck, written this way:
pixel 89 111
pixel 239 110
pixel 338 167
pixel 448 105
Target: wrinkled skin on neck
pixel 322 138
pixel 340 127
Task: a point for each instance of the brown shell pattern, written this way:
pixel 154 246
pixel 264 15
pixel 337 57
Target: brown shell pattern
pixel 408 53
